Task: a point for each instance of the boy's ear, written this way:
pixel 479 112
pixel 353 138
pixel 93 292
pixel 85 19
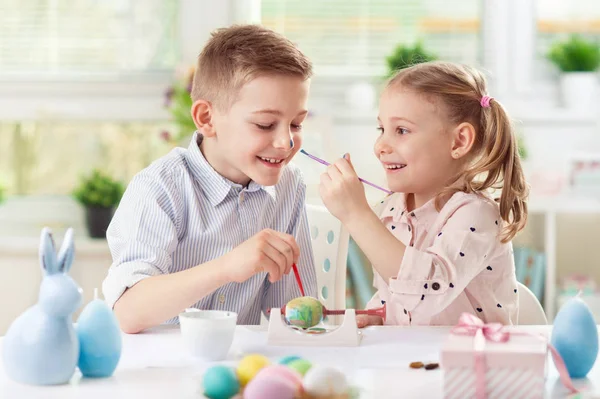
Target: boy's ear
pixel 202 113
pixel 463 138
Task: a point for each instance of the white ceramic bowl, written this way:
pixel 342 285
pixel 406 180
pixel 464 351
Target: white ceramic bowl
pixel 208 334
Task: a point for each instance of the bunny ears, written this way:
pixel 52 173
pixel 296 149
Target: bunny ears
pixel 51 264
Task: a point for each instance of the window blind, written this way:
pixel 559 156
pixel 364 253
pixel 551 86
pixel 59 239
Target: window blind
pixel 353 37
pixel 65 38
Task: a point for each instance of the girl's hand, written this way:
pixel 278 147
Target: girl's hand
pixel 342 193
pixel 364 320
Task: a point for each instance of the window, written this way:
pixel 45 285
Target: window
pixel 63 39
pixel 353 37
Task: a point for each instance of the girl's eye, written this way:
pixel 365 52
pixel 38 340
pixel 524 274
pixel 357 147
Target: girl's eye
pixel 380 129
pixel 264 127
pixel 401 130
pixel 297 127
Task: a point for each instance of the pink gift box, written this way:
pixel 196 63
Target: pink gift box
pixel 513 369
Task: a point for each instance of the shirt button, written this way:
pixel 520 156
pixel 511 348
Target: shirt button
pixel 222 297
pixel 435 286
pixel 241 197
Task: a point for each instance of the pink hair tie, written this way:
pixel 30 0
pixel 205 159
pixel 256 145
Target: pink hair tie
pixel 485 101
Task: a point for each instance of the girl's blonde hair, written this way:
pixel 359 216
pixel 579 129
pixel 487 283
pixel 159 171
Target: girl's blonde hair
pixel 495 161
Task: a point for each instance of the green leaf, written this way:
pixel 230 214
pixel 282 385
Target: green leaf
pixel 99 189
pixel 575 54
pixel 405 56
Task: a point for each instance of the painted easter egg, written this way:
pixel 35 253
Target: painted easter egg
pixel 323 381
pixel 288 359
pixel 270 387
pixel 220 382
pixel 575 337
pixel 99 339
pixel 284 372
pixel 249 366
pixel 300 365
pixel 304 312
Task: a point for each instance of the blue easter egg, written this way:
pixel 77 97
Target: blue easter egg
pixel 288 359
pixel 220 382
pixel 575 337
pixel 100 340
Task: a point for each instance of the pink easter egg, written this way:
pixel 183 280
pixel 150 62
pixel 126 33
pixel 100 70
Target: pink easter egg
pixel 270 387
pixel 279 370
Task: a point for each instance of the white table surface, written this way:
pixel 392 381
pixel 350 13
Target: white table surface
pixel 154 364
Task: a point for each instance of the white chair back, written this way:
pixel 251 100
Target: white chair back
pixel 530 310
pixel 330 249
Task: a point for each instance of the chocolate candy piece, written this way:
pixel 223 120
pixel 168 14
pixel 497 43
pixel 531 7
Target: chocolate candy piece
pixel 431 366
pixel 416 365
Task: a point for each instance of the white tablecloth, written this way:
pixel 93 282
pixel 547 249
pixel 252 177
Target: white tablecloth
pixel 154 364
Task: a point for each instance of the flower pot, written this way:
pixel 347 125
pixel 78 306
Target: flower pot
pixel 578 89
pixel 97 220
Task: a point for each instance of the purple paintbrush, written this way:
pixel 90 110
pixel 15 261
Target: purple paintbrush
pixel 361 179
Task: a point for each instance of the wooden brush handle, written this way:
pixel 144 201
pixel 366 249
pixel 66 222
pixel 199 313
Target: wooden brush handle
pixel 381 312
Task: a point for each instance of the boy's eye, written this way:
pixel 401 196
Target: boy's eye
pixel 265 127
pixel 380 129
pixel 401 130
pixel 296 127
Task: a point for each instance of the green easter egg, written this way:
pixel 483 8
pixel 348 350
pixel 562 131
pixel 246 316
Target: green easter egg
pixel 220 382
pixel 300 365
pixel 304 312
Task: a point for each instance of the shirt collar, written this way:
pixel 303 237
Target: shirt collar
pixel 216 187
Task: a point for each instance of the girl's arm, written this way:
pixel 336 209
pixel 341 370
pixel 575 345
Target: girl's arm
pixel 344 196
pixel 384 251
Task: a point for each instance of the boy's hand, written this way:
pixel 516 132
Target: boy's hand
pixel 364 320
pixel 267 251
pixel 342 193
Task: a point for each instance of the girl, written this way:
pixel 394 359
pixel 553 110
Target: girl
pixel 439 245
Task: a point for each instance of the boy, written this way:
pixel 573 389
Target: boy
pixel 215 226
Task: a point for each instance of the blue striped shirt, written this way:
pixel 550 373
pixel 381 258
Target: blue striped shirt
pixel 179 212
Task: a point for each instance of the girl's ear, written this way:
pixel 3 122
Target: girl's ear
pixel 202 113
pixel 463 138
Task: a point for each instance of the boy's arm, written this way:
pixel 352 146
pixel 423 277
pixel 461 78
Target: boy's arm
pixel 281 292
pixel 153 300
pixel 142 238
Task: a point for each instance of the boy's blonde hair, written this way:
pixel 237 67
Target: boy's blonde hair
pixel 495 161
pixel 235 55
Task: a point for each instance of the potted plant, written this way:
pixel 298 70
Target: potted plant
pixel 99 194
pixel 178 101
pixel 578 60
pixel 404 56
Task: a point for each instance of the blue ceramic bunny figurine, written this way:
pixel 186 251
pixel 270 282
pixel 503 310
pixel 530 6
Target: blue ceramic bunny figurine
pixel 41 346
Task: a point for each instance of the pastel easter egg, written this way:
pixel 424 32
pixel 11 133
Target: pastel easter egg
pixel 220 382
pixel 99 340
pixel 304 312
pixel 270 387
pixel 284 372
pixel 300 365
pixel 323 381
pixel 249 366
pixel 288 359
pixel 575 337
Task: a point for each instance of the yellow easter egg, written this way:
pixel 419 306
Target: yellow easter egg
pixel 249 366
